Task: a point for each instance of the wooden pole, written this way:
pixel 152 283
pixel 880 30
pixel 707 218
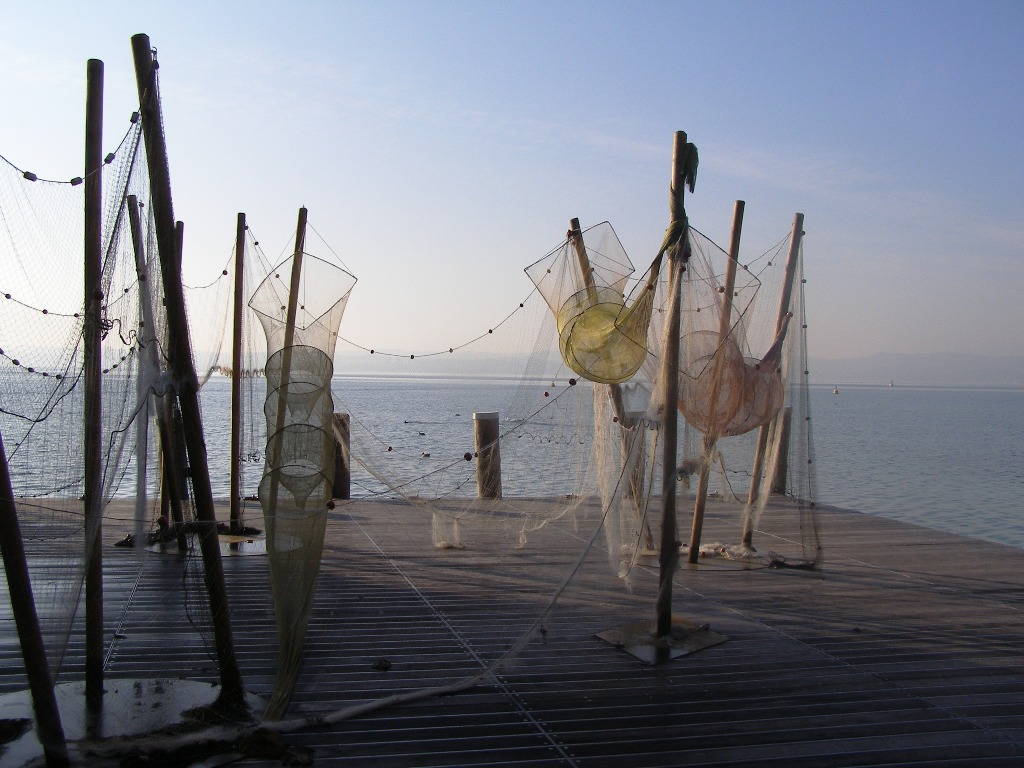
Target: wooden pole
pixel 747 535
pixel 782 464
pixel 488 454
pixel 576 236
pixel 236 379
pixel 724 327
pixel 342 486
pixel 293 295
pixel 678 255
pixel 23 606
pixel 294 285
pixel 93 406
pixel 172 472
pixel 286 355
pixel 614 390
pixel 169 243
pixel 177 467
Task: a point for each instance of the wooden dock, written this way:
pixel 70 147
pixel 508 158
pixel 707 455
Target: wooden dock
pixel 905 650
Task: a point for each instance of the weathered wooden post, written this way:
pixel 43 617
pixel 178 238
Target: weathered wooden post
pixel 747 534
pixel 236 379
pixel 23 606
pixel 342 488
pixel 683 166
pixel 576 236
pixel 488 454
pixel 286 357
pixel 670 638
pixel 782 463
pixel 92 380
pixel 724 327
pixel 169 239
pixel 636 477
pixel 172 469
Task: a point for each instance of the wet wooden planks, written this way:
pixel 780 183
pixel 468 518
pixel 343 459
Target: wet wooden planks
pixel 903 651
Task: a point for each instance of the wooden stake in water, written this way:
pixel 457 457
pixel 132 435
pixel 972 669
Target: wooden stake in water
pixel 724 327
pixel 341 487
pixel 487 447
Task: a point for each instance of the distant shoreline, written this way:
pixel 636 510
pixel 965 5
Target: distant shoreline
pixel 512 379
pixel 961 387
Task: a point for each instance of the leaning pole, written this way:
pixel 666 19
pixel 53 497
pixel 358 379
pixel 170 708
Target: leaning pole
pixel 789 277
pixel 23 606
pixel 169 243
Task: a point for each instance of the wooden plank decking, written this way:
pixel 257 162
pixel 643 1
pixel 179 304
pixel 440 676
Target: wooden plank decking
pixel 903 651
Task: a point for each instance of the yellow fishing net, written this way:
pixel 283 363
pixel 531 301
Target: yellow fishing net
pixel 583 282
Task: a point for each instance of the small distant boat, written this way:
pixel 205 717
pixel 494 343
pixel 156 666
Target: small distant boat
pixel 835 390
pixel 892 383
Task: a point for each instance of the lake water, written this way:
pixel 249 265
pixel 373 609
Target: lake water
pixel 946 458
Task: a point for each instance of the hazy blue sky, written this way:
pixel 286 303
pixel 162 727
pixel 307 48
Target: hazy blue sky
pixel 441 147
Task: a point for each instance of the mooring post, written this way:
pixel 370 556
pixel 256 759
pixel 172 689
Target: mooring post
pixel 342 488
pixel 93 398
pixel 724 328
pixel 747 534
pixel 782 463
pixel 678 255
pixel 236 379
pixel 488 454
pixel 23 606
pixel 169 241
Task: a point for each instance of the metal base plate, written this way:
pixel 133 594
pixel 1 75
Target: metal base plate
pixel 637 639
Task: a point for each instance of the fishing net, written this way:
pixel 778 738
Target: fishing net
pixel 742 363
pixel 41 381
pixel 583 281
pixel 491 545
pixel 42 397
pixel 301 332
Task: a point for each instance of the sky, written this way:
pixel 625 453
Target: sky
pixel 442 146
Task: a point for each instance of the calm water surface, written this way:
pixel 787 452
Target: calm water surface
pixel 949 459
pixel 944 458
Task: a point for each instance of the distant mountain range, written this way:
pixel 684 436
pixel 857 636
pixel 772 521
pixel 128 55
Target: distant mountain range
pixel 932 370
